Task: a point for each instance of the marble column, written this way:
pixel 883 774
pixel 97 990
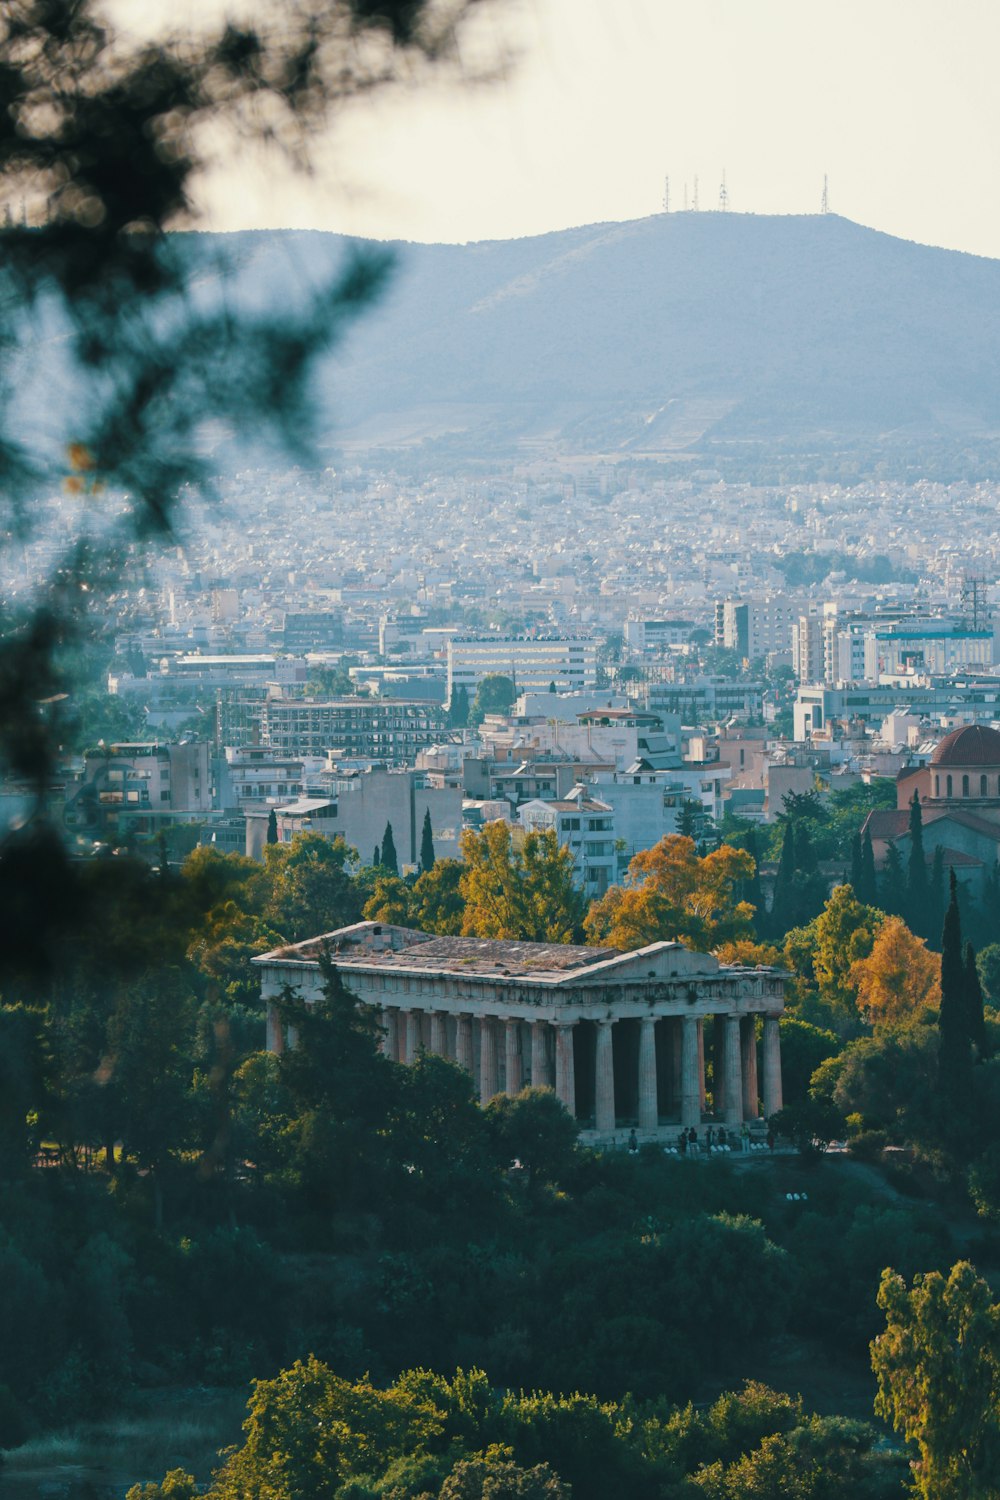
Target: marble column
pixel 676 1031
pixel 718 1066
pixel 732 1082
pixel 439 1036
pixel 565 1077
pixel 772 1066
pixel 512 1056
pixel 604 1079
pixel 463 1042
pixel 389 1044
pixel 411 1035
pixel 649 1111
pixel 701 1065
pixel 748 1043
pixel 541 1069
pixel 275 1031
pixel 690 1080
pixel 489 1082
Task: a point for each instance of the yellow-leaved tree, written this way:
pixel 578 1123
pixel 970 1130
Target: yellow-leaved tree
pixel 898 979
pixel 672 894
pixel 521 890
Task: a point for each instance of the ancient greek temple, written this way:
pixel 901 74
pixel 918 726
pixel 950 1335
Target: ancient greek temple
pixel 651 1040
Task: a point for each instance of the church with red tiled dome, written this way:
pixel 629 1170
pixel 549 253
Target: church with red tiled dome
pixel 959 794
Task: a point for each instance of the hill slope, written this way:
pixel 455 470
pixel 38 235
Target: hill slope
pixel 662 334
pixel 649 335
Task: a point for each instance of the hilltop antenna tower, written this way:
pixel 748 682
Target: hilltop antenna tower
pixel 824 206
pixel 666 195
pixel 694 203
pixel 723 195
pixel 974 601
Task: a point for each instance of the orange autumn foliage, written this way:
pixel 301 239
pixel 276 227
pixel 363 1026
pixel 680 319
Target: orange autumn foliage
pixel 672 894
pixel 898 979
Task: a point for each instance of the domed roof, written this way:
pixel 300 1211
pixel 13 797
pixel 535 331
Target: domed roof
pixel 973 745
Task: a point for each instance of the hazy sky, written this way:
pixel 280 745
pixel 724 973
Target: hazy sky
pixel 896 100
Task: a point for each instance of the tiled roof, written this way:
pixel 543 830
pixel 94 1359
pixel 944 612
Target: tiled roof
pixel 972 745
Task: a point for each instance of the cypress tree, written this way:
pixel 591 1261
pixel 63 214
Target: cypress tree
pixel 784 907
pixel 868 889
pixel 935 894
pixel 272 827
pixel 916 872
pixel 805 854
pixel 376 858
pixel 892 886
pixel 388 859
pixel 954 1056
pixel 975 1019
pixel 857 871
pixel 689 820
pixel 426 844
pixel 754 892
pixel 787 862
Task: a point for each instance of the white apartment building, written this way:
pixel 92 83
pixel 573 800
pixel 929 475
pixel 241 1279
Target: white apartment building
pixel 533 662
pixel 586 827
pixel 754 627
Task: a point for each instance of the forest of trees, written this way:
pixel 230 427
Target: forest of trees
pixel 164 1177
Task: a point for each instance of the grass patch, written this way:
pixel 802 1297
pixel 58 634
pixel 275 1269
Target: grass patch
pixel 173 1429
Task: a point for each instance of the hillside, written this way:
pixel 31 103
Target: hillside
pixel 660 333
pixel 718 335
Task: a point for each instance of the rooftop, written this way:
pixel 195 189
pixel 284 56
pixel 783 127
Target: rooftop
pixel 378 945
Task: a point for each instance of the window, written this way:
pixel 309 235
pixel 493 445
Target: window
pixel 982 786
pixel 948 787
pixel 937 786
pixel 965 786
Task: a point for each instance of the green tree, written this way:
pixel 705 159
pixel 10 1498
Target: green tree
pixel 149 1073
pixel 936 897
pixel 975 1015
pixel 534 1128
pixel 391 901
pixel 892 890
pixel 308 1432
pixel 272 827
pixel 917 892
pixel 867 891
pixel 177 1485
pixel 387 858
pixel 494 695
pixel 988 964
pixel 426 844
pixel 495 1476
pixel 458 707
pixel 437 904
pixel 938 1371
pixel 824 952
pixel 309 888
pixel 953 1024
pixel 341 1092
